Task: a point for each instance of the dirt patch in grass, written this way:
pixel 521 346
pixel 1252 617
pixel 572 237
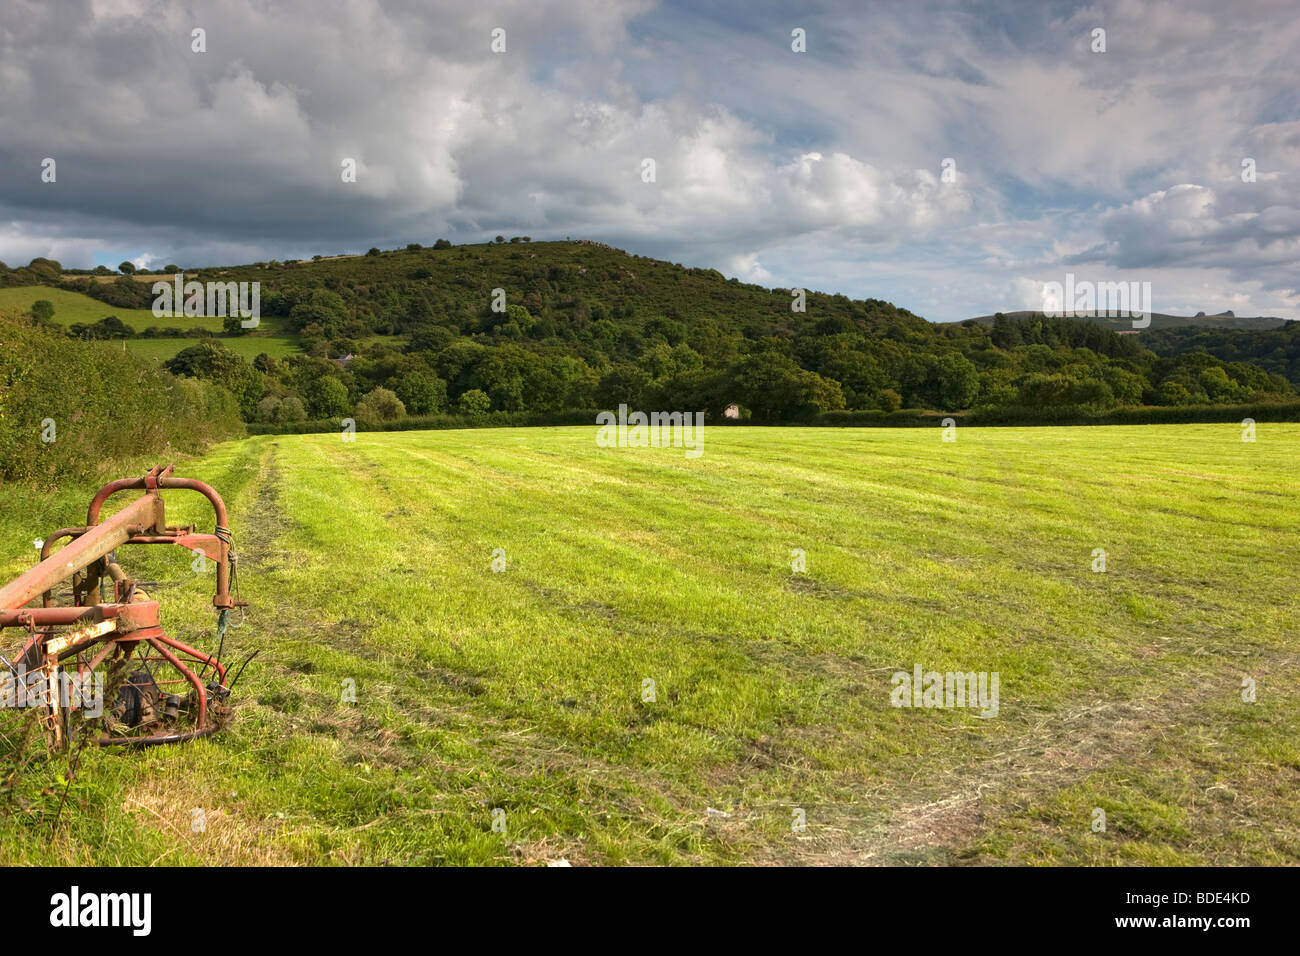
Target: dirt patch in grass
pixel 944 813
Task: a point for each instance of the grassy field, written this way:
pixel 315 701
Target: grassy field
pixel 522 690
pixel 72 307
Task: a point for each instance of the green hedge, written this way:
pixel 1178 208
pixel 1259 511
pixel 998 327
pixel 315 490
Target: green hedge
pixel 108 407
pixel 1143 415
pixel 904 418
pixel 1069 415
pixel 431 422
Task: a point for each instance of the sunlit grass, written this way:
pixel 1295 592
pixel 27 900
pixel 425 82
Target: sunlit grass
pixel 370 562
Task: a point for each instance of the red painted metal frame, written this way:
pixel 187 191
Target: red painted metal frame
pixel 134 616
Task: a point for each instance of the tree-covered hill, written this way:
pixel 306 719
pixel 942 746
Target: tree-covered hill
pixel 548 327
pixel 1162 320
pixel 1274 350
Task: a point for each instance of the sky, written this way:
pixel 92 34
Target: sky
pixel 950 158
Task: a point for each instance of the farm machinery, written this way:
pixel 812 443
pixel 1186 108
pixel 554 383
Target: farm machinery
pixel 105 657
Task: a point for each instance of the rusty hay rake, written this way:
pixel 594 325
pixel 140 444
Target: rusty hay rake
pixel 106 656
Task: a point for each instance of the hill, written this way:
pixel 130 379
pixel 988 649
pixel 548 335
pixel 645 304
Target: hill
pixel 1160 320
pixel 556 327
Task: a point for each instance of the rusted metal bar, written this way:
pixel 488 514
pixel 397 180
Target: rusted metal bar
pixel 81 551
pixel 162 478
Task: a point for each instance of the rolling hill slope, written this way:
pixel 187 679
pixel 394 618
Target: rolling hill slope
pixel 557 327
pixel 1160 320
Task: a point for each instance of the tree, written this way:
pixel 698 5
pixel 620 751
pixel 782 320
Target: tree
pixel 422 394
pixel 326 397
pixel 889 400
pixel 672 332
pixel 1172 393
pixel 314 342
pixel 291 410
pixel 621 385
pixel 114 328
pixel 109 327
pixel 1044 390
pixel 1126 386
pixel 42 310
pixel 957 381
pixel 126 268
pixel 1221 389
pixel 323 307
pixel 373 251
pixel 475 402
pixel 379 406
pixel 776 388
pixel 503 375
pixel 442 244
pixel 1006 332
pixel 212 361
pixel 432 339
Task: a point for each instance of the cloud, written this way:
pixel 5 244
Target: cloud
pixel 822 166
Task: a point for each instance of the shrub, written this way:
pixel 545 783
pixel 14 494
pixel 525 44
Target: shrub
pixel 212 361
pixel 108 408
pixel 378 406
pixel 326 397
pixel 474 402
pixel 291 409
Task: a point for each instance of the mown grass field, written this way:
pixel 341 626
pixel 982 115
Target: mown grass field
pixel 521 690
pixel 74 307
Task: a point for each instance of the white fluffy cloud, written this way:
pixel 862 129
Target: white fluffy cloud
pixel 820 169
